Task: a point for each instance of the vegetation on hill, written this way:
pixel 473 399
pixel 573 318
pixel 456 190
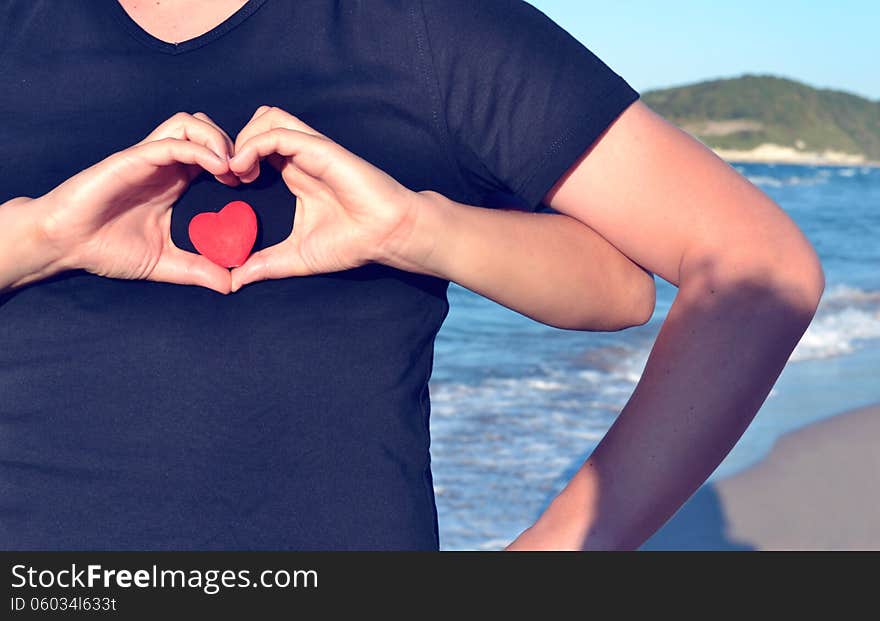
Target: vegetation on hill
pixel 744 112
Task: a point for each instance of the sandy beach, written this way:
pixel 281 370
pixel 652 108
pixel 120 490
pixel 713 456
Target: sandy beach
pixel 818 489
pixel 769 153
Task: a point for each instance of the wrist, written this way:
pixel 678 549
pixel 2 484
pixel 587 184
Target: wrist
pixel 417 243
pixel 51 243
pixel 32 256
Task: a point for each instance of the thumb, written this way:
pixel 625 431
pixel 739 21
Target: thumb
pixel 279 261
pixel 186 268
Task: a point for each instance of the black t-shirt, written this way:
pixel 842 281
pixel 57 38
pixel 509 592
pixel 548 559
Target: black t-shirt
pixel 294 413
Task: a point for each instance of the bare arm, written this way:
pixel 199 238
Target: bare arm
pixel 749 283
pixel 113 219
pixel 348 212
pixel 25 255
pixel 549 267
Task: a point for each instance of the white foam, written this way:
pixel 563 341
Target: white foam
pixel 846 317
pixel 837 334
pixel 545 385
pixel 594 377
pixel 771 182
pixel 503 445
pixel 778 182
pixel 846 295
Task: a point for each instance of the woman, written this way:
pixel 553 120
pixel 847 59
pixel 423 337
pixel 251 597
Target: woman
pixel 294 413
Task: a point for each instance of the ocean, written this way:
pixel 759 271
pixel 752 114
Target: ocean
pixel 518 406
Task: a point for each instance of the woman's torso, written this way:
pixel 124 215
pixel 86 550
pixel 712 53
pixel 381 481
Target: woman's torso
pixel 290 415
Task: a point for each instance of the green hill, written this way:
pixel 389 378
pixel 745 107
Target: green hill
pixel 744 112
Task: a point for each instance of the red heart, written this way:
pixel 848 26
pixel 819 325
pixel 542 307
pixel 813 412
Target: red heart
pixel 226 237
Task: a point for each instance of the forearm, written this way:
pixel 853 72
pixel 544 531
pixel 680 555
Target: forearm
pixel 549 267
pixel 25 257
pixel 719 352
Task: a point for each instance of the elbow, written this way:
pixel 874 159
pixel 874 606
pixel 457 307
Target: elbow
pixel 637 307
pixel 634 307
pixel 807 288
pixel 808 281
pixel 644 301
pixel 796 279
pixel 786 280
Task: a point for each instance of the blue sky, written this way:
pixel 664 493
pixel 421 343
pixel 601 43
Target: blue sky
pixel 658 43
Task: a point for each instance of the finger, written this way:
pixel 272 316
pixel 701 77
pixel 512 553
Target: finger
pixel 278 261
pixel 168 151
pixel 229 178
pixel 312 154
pixel 230 147
pixel 202 131
pixel 198 128
pixel 265 119
pixel 258 113
pixel 186 268
pixel 270 117
pixel 249 175
pixel 297 181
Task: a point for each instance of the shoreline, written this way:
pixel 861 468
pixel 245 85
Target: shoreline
pixel 769 153
pixel 817 489
pixel 740 160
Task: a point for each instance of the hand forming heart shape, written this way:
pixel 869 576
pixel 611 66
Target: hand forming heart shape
pixel 113 219
pixel 348 212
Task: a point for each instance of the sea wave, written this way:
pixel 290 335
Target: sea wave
pixel 601 379
pixel 812 175
pixel 517 407
pixel 568 394
pixel 503 446
pixel 822 176
pixel 847 317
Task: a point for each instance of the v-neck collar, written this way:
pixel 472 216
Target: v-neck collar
pixel 135 30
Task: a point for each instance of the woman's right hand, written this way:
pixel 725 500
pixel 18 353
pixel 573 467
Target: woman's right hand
pixel 114 218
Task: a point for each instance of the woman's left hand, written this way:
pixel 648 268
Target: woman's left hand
pixel 348 212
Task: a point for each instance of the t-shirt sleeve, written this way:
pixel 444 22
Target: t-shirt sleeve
pixel 521 97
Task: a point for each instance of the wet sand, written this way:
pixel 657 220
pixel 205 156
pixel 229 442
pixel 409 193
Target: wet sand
pixel 817 489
